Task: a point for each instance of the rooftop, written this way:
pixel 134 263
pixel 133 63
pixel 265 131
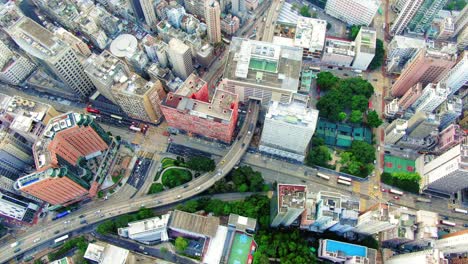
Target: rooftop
pixel 242 222
pixel 107 254
pixel 403 42
pixel 294 113
pixel 368 40
pixel 310 33
pixel 148 224
pixel 107 67
pixel 20 106
pixel 132 85
pixel 203 225
pixel 340 46
pixel 264 63
pixel 291 196
pixel 124 45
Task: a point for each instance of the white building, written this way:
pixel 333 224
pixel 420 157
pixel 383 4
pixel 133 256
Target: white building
pixel 401 49
pixel 53 53
pixel 457 77
pixel 432 96
pixel 392 108
pixel 11 207
pixel 430 256
pixel 365 48
pixel 395 131
pixel 106 254
pixel 13 68
pixel 213 21
pixel 310 36
pixel 448 172
pixel 341 252
pixel 453 243
pixel 375 220
pixel 288 129
pixel 290 204
pixel 353 12
pixel 404 17
pixel 148 12
pixel 148 231
pixel 180 57
pixel 338 52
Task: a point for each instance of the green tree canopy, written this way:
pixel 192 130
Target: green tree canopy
pixel 359 102
pixel 342 116
pixel 363 151
pixel 200 163
pixel 304 11
pixel 181 244
pixel 353 31
pixel 319 156
pixel 355 117
pixel 377 61
pixel 373 119
pixel 326 80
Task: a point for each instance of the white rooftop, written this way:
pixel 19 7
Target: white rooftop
pixel 108 254
pixel 215 249
pixel 293 113
pixel 124 45
pixel 310 33
pixel 148 224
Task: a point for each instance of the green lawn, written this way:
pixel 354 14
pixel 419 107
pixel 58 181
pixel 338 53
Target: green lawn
pixel 167 162
pixel 175 177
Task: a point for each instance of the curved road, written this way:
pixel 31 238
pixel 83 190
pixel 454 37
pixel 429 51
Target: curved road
pixel 104 210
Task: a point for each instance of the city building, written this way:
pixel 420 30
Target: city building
pixel 213 21
pixel 449 111
pixel 456 242
pixel 15 155
pixel 138 98
pixel 365 48
pixel 180 57
pixel 422 124
pixel 149 13
pixel 341 252
pixel 400 50
pixel 447 173
pixel 136 11
pixel 446 29
pixel 338 52
pixel 461 21
pixel 288 129
pixel 335 212
pixel 432 96
pixel 426 66
pixel 242 223
pixel 410 97
pixel 462 39
pixel 404 220
pixel 457 77
pixel 104 253
pixel 59 58
pixel 374 220
pixel 75 43
pixel 451 136
pixel 193 225
pixel 353 12
pixel 65 260
pixel 150 45
pixel 289 204
pixel 60 178
pixel 424 15
pixel 230 24
pixel 195 7
pixel 395 131
pixel 190 109
pixel 392 108
pixel 429 256
pixel 125 46
pixel 238 7
pixel 14 69
pixel 148 231
pixel 262 71
pixel 408 9
pixel 13 208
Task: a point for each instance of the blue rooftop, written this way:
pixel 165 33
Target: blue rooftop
pixel 346 248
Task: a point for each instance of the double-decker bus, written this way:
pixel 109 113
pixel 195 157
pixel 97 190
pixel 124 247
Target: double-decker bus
pixel 423 200
pixel 461 211
pixel 343 178
pixel 323 176
pixel 447 223
pixel 60 239
pixel 61 215
pixel 347 183
pixel 396 192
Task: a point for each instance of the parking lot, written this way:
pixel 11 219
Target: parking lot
pixel 139 173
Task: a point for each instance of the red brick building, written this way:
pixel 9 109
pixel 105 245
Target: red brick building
pixel 189 109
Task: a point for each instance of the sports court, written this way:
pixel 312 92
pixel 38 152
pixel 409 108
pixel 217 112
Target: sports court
pixel 241 249
pixel 342 135
pixel 263 65
pixel 397 164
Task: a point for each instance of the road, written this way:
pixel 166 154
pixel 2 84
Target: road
pixel 269 28
pixel 99 211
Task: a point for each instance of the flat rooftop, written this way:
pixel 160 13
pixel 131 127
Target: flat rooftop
pixel 20 106
pixel 242 222
pixel 340 46
pixel 132 85
pixel 150 224
pixel 106 67
pixel 294 113
pixel 310 33
pixel 191 85
pixel 403 42
pixel 291 196
pixel 368 40
pixel 264 63
pixel 37 37
pixel 203 225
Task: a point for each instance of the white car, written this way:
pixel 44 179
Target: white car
pixel 37 240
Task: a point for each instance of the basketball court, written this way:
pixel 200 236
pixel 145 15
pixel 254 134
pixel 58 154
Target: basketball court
pixel 396 164
pixel 242 247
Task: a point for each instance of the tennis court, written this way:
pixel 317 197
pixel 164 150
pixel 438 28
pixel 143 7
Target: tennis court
pixel 263 65
pixel 397 164
pixel 240 249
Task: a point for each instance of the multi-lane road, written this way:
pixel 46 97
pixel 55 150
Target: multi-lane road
pixel 105 209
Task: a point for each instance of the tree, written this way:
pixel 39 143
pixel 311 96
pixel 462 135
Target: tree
pixel 106 227
pixel 181 244
pixel 319 156
pixel 304 11
pixel 342 116
pixel 355 117
pixel 156 188
pixel 144 213
pixel 243 188
pixel 326 80
pixel 314 15
pixel 359 102
pixel 329 26
pixel 118 138
pixel 378 57
pixel 203 164
pixel 373 119
pixel 362 151
pixel 353 31
pixel 455 5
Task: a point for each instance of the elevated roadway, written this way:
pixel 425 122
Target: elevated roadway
pixel 99 211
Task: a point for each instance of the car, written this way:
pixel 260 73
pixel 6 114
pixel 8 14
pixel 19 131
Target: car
pixel 383 190
pixel 222 162
pixel 158 201
pixel 17 250
pixel 396 197
pixel 57 232
pixel 243 144
pixel 186 185
pixel 374 80
pixel 465 225
pixel 37 240
pixel 198 188
pixel 83 222
pixel 178 196
pixel 81 216
pixel 444 217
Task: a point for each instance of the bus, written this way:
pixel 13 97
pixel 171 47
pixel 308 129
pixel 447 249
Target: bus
pixel 461 211
pixel 447 223
pixel 61 215
pixel 423 200
pixel 227 41
pixel 396 192
pixel 314 69
pixel 60 239
pixel 116 117
pixel 323 176
pixel 343 178
pixel 344 182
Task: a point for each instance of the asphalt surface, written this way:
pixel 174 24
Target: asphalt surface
pixel 102 210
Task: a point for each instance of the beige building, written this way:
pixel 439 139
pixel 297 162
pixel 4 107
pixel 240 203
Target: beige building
pixel 180 57
pixel 14 68
pixel 353 12
pixel 213 21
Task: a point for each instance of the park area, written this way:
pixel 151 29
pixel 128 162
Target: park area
pixel 242 247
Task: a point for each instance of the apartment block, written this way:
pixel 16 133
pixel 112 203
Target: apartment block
pixel 341 252
pixel 15 155
pixel 353 12
pixel 392 108
pixel 410 97
pixel 288 129
pixel 408 10
pixel 424 15
pixel 457 77
pixel 262 71
pixel 429 256
pixel 338 52
pixel 422 125
pixel 14 69
pixel 365 48
pixel 213 21
pixel 395 131
pixel 400 50
pixel 180 57
pixel 147 6
pixel 446 29
pixel 374 220
pixel 289 204
pixel 230 24
pixel 195 7
pixel 450 137
pixel 447 173
pixel 431 97
pixel 191 110
pixel 426 66
pixel 449 111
